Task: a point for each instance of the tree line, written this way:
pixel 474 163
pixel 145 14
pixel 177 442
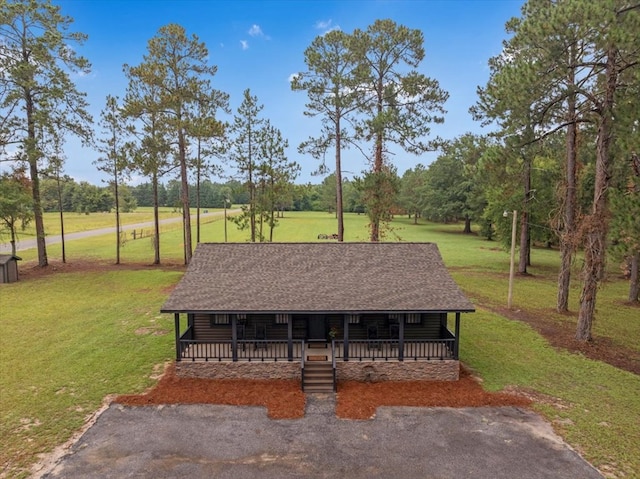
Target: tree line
pixel 561 101
pixel 166 124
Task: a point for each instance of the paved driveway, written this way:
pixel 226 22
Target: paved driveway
pixel 208 441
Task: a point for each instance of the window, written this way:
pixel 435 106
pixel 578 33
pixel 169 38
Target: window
pixel 353 318
pixel 220 318
pixel 413 318
pixel 282 318
pixel 396 316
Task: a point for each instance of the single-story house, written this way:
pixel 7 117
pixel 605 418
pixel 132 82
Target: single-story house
pixel 9 268
pixel 318 312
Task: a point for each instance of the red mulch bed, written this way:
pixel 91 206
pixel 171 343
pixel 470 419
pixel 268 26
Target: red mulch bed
pixel 355 400
pixel 359 400
pixel 283 398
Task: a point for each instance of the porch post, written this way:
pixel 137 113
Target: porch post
pixel 290 337
pixel 176 320
pixel 456 344
pixel 234 337
pixel 401 338
pixel 345 339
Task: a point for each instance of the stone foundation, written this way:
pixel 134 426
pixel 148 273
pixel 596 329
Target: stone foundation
pixel 239 370
pixel 374 371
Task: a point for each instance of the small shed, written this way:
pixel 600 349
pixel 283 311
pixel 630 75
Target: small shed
pixel 8 268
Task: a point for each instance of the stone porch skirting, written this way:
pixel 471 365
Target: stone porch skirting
pixel 371 371
pixel 239 370
pixel 374 371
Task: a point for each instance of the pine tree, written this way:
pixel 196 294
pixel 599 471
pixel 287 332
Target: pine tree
pixel 37 53
pixel 334 93
pixel 245 156
pixel 401 103
pixel 177 65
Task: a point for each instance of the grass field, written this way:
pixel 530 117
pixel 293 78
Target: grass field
pixel 68 340
pixel 74 222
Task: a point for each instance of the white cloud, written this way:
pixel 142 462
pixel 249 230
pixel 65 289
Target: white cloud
pixel 255 31
pixel 244 44
pixel 293 76
pixel 326 26
pixel 323 24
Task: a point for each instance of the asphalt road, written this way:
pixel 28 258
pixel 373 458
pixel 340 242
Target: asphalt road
pixel 5 248
pixel 209 441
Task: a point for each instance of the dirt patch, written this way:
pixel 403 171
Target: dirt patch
pixel 561 334
pixel 153 331
pixel 355 400
pixel 31 270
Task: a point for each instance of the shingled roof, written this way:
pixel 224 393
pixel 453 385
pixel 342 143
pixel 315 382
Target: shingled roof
pixel 316 277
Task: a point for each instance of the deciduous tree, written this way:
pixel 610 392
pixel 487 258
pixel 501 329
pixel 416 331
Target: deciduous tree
pixel 451 191
pixel 412 185
pixel 15 204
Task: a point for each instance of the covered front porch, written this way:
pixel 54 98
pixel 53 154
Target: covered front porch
pixel 317 337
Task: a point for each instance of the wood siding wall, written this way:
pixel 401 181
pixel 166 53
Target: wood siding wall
pixel 205 330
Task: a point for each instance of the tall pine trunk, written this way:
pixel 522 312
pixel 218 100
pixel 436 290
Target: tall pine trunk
pixel 60 207
pixel 184 195
pixel 339 208
pixel 525 243
pixel 115 187
pixel 114 155
pixel 377 168
pixel 198 196
pixel 567 236
pixel 33 156
pixel 568 232
pixel 596 224
pixel 156 220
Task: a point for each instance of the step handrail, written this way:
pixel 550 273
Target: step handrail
pixel 302 367
pixel 333 364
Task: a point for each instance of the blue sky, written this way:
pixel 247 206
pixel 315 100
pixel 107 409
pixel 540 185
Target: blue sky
pixel 260 44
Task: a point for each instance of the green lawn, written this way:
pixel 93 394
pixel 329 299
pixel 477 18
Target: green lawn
pixel 74 222
pixel 68 340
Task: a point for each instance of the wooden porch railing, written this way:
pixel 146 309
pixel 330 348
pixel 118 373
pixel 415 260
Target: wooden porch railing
pixel 247 350
pixel 278 350
pixel 390 349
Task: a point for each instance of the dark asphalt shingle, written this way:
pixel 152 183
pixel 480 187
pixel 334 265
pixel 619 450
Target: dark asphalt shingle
pixel 316 277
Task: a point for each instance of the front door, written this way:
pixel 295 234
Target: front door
pixel 317 328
